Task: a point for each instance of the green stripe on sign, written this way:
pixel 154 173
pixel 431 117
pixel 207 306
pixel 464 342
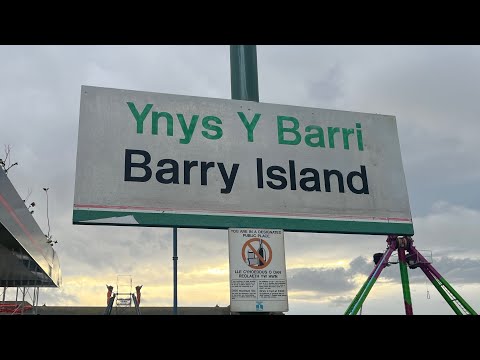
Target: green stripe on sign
pixel 225 222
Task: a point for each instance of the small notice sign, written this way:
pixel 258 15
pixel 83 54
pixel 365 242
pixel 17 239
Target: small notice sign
pixel 258 278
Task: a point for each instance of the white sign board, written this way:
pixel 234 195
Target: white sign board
pixel 150 159
pixel 258 276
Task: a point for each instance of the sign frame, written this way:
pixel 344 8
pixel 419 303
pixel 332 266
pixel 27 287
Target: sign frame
pixel 96 102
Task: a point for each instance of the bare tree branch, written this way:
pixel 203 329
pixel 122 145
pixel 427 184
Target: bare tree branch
pixel 28 195
pixel 5 163
pixel 7 159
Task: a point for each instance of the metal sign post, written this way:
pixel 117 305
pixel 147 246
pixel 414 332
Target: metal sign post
pixel 175 258
pixel 244 86
pixel 244 73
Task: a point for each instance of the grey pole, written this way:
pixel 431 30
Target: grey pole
pixel 244 80
pixel 175 258
pixel 36 302
pixel 23 300
pixel 243 72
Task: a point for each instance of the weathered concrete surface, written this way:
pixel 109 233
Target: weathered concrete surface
pixel 97 310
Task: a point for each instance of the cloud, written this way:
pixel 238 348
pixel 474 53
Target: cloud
pixel 320 280
pixel 461 271
pixel 57 297
pixel 360 265
pixel 339 281
pixel 454 270
pixel 430 89
pixel 448 230
pixel 324 281
pixel 434 102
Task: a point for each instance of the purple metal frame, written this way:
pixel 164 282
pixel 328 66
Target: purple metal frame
pixel 413 260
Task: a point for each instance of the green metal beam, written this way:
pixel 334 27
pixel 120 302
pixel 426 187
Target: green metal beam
pixel 439 280
pixel 442 292
pixel 363 293
pixel 355 299
pixel 457 296
pixel 405 283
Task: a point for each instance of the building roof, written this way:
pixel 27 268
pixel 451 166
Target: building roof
pixel 26 259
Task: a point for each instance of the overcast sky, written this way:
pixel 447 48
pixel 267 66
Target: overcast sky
pixel 432 91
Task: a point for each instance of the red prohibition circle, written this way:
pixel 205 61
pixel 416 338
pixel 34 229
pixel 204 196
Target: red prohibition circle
pixel 265 263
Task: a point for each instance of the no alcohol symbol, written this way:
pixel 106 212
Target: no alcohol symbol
pixel 257 253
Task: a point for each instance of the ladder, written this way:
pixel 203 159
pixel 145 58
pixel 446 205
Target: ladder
pixel 108 309
pixel 137 307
